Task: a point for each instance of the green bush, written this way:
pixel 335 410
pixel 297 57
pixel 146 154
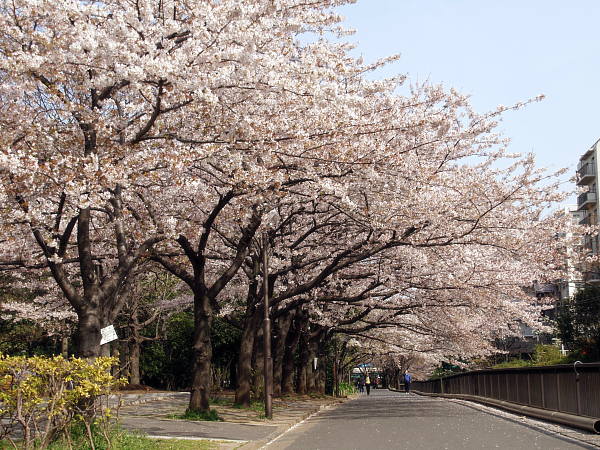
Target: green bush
pixel 346 389
pixel 210 416
pixel 515 362
pixel 547 355
pixel 544 355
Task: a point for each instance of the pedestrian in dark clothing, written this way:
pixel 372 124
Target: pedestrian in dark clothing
pixel 407 381
pixel 368 385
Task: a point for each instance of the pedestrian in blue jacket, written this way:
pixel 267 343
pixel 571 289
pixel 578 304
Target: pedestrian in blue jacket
pixel 407 381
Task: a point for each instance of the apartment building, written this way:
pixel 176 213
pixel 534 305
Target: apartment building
pixel 587 205
pixel 574 280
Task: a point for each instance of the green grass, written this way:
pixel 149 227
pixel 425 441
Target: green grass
pixel 125 440
pixel 210 416
pixel 221 401
pixel 255 405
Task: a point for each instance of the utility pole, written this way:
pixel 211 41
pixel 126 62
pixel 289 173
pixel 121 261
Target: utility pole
pixel 268 362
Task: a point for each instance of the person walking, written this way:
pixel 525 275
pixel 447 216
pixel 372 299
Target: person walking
pixel 360 385
pixel 407 381
pixel 368 384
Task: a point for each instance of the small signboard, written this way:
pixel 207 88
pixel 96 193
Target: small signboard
pixel 108 335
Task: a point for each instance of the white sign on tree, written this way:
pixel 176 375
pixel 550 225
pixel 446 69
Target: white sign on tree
pixel 108 335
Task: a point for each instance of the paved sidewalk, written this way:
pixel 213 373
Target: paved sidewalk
pixel 241 428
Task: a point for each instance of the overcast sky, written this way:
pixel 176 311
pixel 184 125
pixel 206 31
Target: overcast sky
pixel 499 52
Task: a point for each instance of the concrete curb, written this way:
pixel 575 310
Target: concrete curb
pixel 281 429
pixel 138 399
pixel 591 424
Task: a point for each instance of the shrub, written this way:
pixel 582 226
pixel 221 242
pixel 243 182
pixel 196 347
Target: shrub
pixel 547 355
pixel 42 398
pixel 346 389
pixel 211 416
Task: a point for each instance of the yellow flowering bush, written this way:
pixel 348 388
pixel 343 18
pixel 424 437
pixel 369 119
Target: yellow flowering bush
pixel 41 397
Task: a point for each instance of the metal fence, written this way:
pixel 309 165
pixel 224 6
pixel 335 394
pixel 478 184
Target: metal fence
pixel 564 388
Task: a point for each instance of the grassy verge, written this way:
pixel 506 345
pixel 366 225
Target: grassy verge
pixel 125 440
pixel 256 406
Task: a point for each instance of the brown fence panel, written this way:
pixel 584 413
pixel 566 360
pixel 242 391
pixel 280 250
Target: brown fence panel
pixel 589 393
pixel 535 388
pixel 494 386
pixel 550 390
pixel 522 392
pixel 502 387
pixel 567 386
pixel 512 387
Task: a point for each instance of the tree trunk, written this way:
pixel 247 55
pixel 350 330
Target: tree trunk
pixel 303 364
pixel 322 364
pixel 134 361
pixel 257 365
pixel 281 329
pixel 64 346
pixel 88 333
pixel 244 374
pixel 321 377
pixel 291 342
pixel 311 372
pixel 201 377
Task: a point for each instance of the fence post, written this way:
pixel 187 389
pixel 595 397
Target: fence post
pixel 558 389
pixel 578 395
pixel 528 388
pixel 484 384
pixel 498 383
pixel 543 390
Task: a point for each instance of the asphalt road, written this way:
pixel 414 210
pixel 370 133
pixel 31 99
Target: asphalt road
pixel 390 420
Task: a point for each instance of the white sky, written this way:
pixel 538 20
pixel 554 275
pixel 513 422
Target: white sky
pixel 499 52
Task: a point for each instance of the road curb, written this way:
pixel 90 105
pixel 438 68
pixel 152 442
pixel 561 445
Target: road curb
pixel 283 428
pixel 591 424
pixel 139 399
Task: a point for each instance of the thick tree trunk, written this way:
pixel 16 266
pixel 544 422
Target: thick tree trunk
pixel 291 342
pixel 105 350
pixel 321 378
pixel 281 329
pixel 244 374
pixel 88 333
pixel 257 365
pixel 201 377
pixel 322 365
pixel 64 346
pixel 134 361
pixel 311 372
pixel 303 363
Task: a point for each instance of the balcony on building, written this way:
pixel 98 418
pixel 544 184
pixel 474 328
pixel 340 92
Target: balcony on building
pixel 586 173
pixel 584 219
pixel 592 277
pixel 590 151
pixel 588 243
pixel 586 200
pixel 545 289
